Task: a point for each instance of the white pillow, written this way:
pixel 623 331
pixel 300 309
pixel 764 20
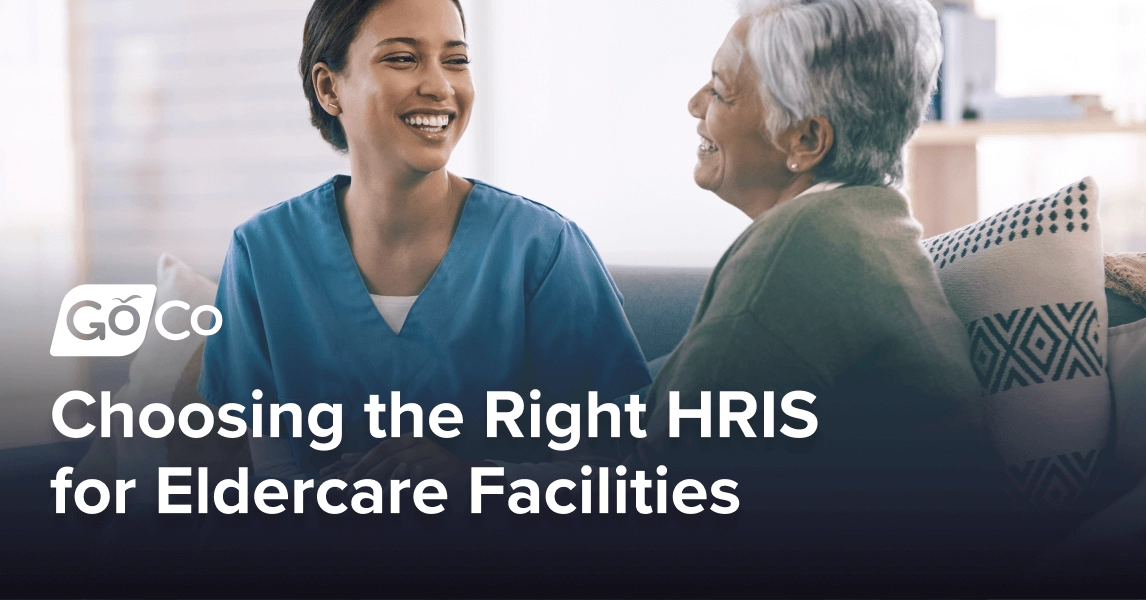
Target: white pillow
pixel 156 369
pixel 1128 380
pixel 1029 284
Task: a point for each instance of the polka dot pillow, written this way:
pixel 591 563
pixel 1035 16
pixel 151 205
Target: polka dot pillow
pixel 1028 283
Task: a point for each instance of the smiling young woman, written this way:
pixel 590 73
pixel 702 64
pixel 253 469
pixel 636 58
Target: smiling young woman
pixel 405 277
pixel 398 105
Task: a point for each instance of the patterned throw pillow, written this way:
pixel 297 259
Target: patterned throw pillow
pixel 1029 284
pixel 152 378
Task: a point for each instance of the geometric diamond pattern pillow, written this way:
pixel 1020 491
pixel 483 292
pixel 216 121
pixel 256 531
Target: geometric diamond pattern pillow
pixel 1028 283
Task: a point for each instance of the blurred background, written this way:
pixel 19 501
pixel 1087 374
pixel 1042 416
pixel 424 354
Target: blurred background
pixel 135 127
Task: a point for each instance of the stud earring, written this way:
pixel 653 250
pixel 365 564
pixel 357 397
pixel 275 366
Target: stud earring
pixel 331 105
pixel 795 166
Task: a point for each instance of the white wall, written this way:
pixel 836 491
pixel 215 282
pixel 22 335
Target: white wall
pixel 195 121
pixel 38 214
pixel 582 106
pixel 1047 47
pixel 1072 47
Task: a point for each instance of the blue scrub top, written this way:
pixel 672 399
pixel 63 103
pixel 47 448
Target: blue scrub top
pixel 520 301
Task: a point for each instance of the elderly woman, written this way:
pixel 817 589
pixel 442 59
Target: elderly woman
pixel 803 126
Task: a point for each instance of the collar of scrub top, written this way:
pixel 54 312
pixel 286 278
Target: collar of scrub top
pixel 363 299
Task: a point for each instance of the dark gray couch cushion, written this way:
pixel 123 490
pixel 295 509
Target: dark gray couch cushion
pixel 659 303
pixel 1121 310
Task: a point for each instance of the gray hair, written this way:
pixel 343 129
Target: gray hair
pixel 868 66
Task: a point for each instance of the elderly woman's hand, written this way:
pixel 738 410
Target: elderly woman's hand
pixel 399 458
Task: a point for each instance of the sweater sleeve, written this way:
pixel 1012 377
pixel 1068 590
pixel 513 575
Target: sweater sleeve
pixel 726 354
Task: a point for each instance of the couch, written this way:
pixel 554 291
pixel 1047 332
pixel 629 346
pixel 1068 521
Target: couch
pixel 659 303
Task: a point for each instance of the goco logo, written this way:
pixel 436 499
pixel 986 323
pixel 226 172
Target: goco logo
pixel 111 320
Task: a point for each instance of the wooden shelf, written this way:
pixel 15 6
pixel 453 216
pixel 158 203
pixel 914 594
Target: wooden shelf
pixel 969 132
pixel 942 169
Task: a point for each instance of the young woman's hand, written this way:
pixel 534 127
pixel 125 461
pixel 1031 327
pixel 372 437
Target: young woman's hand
pixel 339 468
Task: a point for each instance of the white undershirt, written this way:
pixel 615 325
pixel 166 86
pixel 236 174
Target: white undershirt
pixel 394 309
pixel 823 186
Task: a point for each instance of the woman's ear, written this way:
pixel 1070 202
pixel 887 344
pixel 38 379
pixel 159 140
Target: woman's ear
pixel 808 143
pixel 323 80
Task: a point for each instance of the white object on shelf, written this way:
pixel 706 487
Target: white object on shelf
pixel 968 70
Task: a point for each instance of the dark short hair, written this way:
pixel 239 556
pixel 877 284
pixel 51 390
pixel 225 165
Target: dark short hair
pixel 330 28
